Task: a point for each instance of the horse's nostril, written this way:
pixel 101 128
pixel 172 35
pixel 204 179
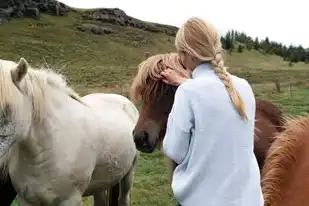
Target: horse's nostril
pixel 146 135
pixel 141 138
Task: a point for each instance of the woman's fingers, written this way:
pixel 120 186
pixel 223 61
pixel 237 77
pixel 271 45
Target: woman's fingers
pixel 168 76
pixel 165 81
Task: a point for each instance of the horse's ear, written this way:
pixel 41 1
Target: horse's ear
pixel 20 71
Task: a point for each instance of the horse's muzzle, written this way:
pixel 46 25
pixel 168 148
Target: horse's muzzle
pixel 142 142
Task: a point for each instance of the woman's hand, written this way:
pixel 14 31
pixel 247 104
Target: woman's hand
pixel 171 77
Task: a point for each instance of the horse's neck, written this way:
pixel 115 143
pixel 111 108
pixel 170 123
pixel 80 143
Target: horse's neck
pixel 59 114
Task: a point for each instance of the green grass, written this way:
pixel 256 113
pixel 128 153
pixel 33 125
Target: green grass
pixel 108 62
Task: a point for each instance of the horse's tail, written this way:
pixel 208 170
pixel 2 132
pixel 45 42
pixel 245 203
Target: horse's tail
pixel 274 114
pixel 281 163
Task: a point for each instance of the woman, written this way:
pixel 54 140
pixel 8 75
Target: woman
pixel 210 129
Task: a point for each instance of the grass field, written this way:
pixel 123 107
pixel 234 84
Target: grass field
pixel 107 63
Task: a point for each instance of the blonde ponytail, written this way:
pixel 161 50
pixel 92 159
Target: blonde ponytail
pixel 218 67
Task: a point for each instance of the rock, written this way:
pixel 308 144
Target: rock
pixel 5 15
pixel 32 12
pixel 30 8
pixel 3 20
pixel 52 7
pixel 119 17
pixel 94 29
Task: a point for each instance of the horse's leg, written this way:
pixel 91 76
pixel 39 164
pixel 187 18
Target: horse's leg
pixel 125 188
pixel 74 200
pixel 126 184
pixel 22 202
pixel 101 198
pixel 171 166
pixel 108 197
pixel 114 195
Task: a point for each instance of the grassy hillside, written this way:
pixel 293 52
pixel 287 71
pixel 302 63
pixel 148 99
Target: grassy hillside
pixel 108 62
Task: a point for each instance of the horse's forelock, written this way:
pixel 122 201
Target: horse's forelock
pixel 147 83
pixel 147 78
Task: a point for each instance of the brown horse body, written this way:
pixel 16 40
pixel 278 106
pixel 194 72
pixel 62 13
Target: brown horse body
pixel 268 122
pixel 158 99
pixel 285 176
pixel 150 128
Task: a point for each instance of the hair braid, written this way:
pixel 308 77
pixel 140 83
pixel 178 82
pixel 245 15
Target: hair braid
pixel 200 40
pixel 218 67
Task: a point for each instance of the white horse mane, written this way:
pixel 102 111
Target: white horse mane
pixel 36 85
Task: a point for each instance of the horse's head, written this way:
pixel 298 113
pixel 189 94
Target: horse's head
pixel 15 106
pixel 157 99
pixel 25 96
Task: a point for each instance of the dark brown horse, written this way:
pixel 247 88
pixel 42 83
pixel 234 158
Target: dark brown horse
pixel 268 122
pixel 157 100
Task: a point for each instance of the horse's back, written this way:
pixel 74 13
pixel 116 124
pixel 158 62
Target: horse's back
pixel 118 116
pixel 115 102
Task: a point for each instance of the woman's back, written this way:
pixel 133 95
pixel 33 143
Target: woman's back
pixel 210 130
pixel 219 167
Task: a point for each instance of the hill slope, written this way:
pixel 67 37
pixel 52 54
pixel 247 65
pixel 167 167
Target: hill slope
pixel 96 52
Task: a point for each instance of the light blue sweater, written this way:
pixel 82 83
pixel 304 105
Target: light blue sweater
pixel 212 144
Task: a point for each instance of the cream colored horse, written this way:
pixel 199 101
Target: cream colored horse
pixel 58 149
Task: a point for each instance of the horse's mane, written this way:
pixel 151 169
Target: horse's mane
pixel 35 85
pixel 147 82
pixel 74 95
pixel 281 159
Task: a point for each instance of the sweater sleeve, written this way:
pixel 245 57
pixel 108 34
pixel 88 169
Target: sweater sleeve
pixel 180 122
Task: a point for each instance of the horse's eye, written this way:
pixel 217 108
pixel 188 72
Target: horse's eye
pixel 4 121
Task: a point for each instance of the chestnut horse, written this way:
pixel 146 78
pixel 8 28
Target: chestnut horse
pixel 285 176
pixel 157 100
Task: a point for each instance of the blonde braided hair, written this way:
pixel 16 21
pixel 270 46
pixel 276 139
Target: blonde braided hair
pixel 201 41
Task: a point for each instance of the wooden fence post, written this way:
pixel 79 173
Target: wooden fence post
pixel 290 92
pixel 278 86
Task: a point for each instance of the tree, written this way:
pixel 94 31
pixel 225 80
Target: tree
pixel 240 48
pixel 229 41
pixel 291 54
pixel 256 44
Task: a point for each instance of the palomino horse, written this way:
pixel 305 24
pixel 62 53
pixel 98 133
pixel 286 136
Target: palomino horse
pixel 57 149
pixel 285 176
pixel 157 100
